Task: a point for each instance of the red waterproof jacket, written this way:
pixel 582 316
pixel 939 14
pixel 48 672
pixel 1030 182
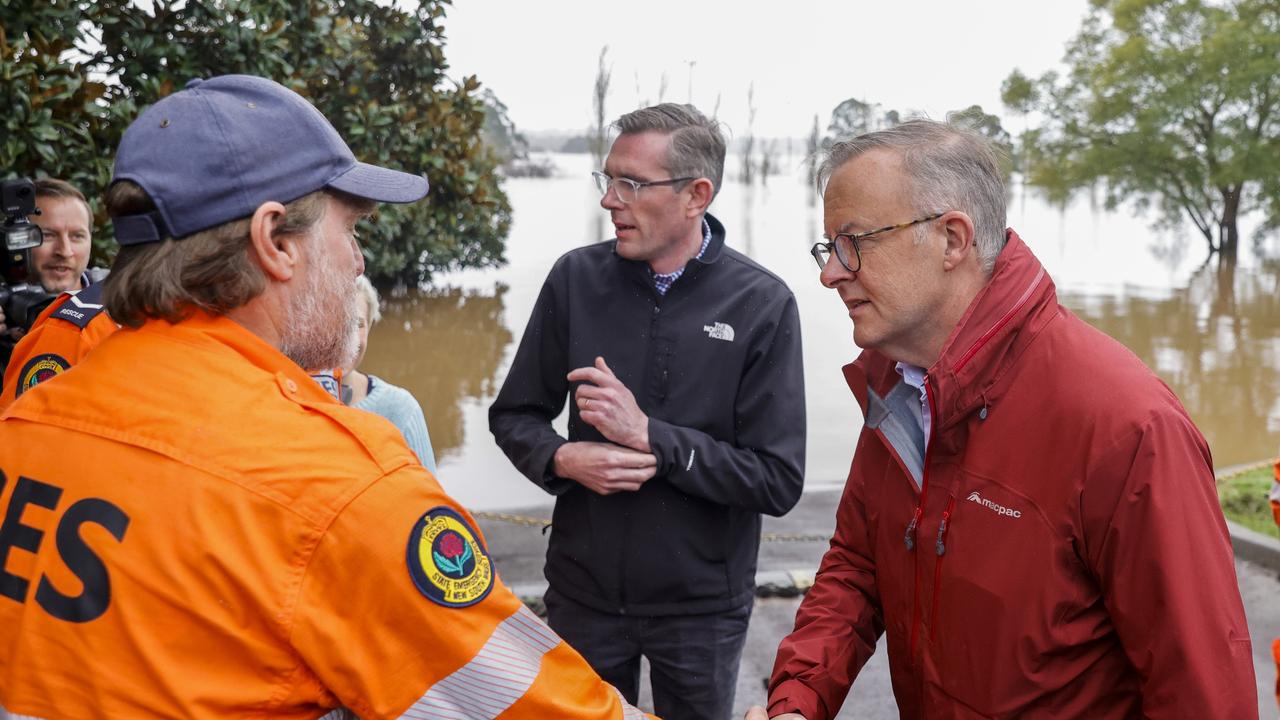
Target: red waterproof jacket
pixel 1058 553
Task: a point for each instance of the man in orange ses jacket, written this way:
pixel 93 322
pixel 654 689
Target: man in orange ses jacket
pixel 191 526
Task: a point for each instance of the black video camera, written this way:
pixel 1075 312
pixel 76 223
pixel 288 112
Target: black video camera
pixel 21 301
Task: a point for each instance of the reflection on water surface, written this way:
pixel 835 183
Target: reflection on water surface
pixel 1212 334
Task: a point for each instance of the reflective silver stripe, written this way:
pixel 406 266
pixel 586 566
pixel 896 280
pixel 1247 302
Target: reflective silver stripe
pixel 629 712
pixel 495 678
pixel 485 687
pixel 85 305
pixel 6 715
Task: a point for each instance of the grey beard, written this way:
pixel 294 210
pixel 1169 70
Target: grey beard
pixel 317 337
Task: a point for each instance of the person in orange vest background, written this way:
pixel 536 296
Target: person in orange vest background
pixel 60 264
pixel 61 336
pixel 189 525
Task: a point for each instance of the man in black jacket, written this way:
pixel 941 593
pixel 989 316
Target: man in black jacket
pixel 682 357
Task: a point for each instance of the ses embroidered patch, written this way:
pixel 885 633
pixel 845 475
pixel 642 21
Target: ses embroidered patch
pixel 39 369
pixel 447 561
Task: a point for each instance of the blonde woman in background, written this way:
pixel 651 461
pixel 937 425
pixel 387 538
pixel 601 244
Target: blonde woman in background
pixel 372 393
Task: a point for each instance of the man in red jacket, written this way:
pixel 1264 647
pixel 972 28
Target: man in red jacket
pixel 1030 518
pixel 1273 498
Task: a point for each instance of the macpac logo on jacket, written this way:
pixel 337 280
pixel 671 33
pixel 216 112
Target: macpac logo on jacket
pixel 998 508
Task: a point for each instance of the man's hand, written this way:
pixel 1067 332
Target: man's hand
pixel 608 406
pixel 604 468
pixel 758 713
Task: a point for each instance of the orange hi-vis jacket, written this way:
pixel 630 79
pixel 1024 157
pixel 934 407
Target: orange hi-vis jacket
pixel 61 336
pixel 191 527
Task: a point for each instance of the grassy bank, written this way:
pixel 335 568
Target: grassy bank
pixel 1244 500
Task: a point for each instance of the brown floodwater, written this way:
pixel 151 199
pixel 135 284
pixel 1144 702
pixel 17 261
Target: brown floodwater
pixel 1212 333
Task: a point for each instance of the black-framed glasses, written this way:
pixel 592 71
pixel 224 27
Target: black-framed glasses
pixel 848 247
pixel 627 189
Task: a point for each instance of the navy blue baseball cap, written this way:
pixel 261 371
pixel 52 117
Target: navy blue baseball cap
pixel 216 150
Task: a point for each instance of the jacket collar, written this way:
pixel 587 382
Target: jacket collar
pixel 999 323
pixel 714 247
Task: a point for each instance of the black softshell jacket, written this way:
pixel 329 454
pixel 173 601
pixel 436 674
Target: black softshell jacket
pixel 716 365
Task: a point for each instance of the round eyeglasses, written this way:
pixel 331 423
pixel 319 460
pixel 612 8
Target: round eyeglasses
pixel 627 189
pixel 848 246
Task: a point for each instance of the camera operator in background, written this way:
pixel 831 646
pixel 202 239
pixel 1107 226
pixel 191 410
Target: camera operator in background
pixel 58 265
pixel 60 259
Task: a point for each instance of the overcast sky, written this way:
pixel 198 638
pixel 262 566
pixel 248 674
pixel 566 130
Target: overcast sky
pixel 804 56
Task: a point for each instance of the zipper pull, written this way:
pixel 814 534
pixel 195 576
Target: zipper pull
pixel 940 546
pixel 910 539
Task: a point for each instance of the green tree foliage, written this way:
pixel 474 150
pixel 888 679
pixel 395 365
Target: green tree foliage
pixel 1171 103
pixel 855 117
pixel 975 119
pixel 1020 94
pixel 500 131
pixel 74 75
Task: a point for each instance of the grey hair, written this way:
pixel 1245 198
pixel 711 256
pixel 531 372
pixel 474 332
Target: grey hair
pixel 369 294
pixel 949 168
pixel 697 146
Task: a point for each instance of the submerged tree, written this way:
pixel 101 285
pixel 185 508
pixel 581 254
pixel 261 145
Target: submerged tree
pixel 1020 94
pixel 812 146
pixel 77 73
pixel 599 141
pixel 747 171
pixel 1171 103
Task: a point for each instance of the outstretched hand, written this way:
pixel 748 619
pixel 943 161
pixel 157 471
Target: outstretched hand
pixel 608 406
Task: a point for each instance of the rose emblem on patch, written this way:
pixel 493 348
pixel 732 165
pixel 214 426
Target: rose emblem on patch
pixel 452 553
pixel 40 368
pixel 448 562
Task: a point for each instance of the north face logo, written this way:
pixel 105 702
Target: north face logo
pixel 999 509
pixel 719 331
